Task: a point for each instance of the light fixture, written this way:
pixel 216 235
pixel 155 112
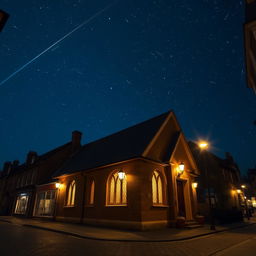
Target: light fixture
pixel 194 184
pixel 181 168
pixel 57 185
pixel 238 191
pixel 243 186
pixel 203 145
pixel 121 175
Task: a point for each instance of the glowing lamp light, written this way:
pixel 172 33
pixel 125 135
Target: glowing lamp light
pixel 194 184
pixel 243 186
pixel 238 191
pixel 203 145
pixel 121 175
pixel 57 185
pixel 181 168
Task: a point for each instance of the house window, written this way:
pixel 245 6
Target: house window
pixel 45 203
pixel 92 188
pixel 157 189
pixel 21 204
pixel 117 190
pixel 71 194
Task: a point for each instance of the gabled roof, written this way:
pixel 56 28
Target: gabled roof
pixel 22 167
pixel 123 145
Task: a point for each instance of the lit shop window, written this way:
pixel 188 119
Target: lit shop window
pixel 117 190
pixel 21 204
pixel 71 194
pixel 45 203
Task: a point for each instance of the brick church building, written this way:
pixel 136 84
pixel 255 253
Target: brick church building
pixel 139 178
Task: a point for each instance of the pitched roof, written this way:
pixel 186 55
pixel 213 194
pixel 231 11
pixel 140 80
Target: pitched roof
pixel 120 146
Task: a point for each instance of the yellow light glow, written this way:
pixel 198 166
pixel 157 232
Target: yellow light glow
pixel 238 191
pixel 181 167
pixel 245 197
pixel 121 175
pixel 203 144
pixel 194 184
pixel 243 186
pixel 57 185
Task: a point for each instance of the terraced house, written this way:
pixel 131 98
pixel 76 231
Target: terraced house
pixel 139 178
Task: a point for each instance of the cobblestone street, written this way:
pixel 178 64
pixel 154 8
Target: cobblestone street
pixel 20 241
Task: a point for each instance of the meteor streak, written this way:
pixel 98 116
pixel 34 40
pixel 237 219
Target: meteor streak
pixel 57 42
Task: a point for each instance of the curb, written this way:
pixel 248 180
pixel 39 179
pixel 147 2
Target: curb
pixel 128 240
pixel 132 240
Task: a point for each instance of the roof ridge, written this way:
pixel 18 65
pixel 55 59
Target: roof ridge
pixel 125 129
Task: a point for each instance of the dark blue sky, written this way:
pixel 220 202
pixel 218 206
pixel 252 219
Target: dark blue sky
pixel 132 62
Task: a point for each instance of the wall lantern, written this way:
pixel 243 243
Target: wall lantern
pixel 57 185
pixel 194 185
pixel 121 175
pixel 181 168
pixel 238 191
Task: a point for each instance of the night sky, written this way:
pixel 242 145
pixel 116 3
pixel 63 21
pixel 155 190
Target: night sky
pixel 134 61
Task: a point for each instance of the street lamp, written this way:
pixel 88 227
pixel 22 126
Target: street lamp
pixel 245 202
pixel 203 145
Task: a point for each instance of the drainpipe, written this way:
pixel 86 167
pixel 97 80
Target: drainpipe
pixel 170 201
pixel 83 200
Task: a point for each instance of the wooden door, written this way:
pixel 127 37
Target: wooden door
pixel 181 200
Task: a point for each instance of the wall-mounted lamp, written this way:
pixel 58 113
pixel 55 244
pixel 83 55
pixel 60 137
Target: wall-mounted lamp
pixel 57 185
pixel 243 186
pixel 121 175
pixel 181 168
pixel 238 191
pixel 194 185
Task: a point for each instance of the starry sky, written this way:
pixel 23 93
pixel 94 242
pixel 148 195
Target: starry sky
pixel 132 61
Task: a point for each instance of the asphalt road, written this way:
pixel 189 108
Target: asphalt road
pixel 20 241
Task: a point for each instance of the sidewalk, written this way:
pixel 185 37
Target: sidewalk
pixel 108 234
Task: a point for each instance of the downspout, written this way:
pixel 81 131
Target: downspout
pixel 83 200
pixel 170 201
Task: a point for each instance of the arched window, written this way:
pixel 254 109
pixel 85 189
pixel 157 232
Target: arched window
pixel 92 188
pixel 71 193
pixel 157 189
pixel 117 190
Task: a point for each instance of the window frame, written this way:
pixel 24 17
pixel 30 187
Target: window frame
pixel 71 194
pixel 121 185
pixel 159 190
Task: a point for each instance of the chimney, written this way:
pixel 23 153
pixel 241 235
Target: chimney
pixel 7 168
pixel 31 157
pixel 15 163
pixel 76 140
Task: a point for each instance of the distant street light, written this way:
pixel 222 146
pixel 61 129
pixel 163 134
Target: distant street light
pixel 245 202
pixel 203 145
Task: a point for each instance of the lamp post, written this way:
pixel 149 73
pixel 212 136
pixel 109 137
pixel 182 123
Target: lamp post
pixel 203 145
pixel 243 187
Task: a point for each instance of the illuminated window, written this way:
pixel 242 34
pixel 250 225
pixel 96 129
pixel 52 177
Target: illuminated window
pixel 157 189
pixel 71 194
pixel 21 204
pixel 117 190
pixel 92 188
